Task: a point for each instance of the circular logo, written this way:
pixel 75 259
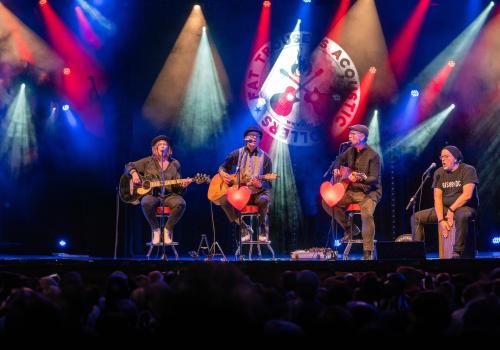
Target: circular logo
pixel 303 91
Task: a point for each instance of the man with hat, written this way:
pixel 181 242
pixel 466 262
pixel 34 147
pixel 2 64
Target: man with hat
pixel 454 186
pixel 251 162
pixel 162 166
pixel 363 190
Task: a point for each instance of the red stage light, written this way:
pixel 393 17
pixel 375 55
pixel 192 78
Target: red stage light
pixel 266 3
pixel 373 70
pixel 66 71
pixel 451 63
pixel 42 2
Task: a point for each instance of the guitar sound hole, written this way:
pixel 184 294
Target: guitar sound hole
pixel 146 185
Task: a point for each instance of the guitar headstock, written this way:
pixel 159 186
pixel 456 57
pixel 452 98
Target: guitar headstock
pixel 270 177
pixel 201 178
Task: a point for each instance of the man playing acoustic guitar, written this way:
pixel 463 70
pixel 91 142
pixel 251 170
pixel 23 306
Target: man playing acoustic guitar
pixel 158 164
pixel 364 189
pixel 251 162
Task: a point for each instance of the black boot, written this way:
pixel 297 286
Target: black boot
pixel 367 255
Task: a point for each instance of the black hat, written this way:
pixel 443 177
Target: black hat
pixel 360 128
pixel 160 138
pixel 253 128
pixel 455 152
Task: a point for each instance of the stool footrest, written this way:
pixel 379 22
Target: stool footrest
pixel 256 242
pixel 161 244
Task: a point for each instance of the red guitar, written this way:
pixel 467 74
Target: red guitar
pixel 282 103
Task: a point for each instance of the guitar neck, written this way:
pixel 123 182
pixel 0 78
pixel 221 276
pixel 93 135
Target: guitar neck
pixel 160 183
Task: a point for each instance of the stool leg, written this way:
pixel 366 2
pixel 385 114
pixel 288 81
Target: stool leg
pixel 347 250
pixel 250 252
pixel 150 250
pixel 259 251
pixel 175 252
pixel 271 250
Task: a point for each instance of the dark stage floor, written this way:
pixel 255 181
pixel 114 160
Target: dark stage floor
pixel 265 270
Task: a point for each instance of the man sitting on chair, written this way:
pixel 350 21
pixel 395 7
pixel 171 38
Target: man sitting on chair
pixel 454 184
pixel 158 164
pixel 359 157
pixel 251 161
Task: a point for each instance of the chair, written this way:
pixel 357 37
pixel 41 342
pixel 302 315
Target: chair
pixel 252 212
pixel 162 213
pixel 351 210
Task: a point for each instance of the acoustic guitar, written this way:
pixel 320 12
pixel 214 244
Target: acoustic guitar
pixel 132 193
pixel 334 190
pixel 218 187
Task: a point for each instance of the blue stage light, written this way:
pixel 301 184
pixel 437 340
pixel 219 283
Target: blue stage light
pixel 62 243
pixel 65 107
pixel 415 93
pixel 495 240
pixel 337 243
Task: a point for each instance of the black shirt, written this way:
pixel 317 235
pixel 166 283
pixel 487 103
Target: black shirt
pixel 366 161
pixel 452 183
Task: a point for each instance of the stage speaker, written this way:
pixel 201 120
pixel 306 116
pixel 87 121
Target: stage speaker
pixel 390 250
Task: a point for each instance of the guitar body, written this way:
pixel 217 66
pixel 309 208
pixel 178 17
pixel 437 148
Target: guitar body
pixel 333 191
pixel 127 191
pixel 218 187
pixel 282 104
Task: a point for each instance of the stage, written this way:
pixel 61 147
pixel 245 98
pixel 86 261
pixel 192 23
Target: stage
pixel 266 270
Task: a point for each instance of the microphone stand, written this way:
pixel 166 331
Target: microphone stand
pixel 333 223
pixel 162 204
pixel 413 199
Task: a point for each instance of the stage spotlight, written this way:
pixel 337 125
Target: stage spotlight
pixel 204 28
pixel 373 70
pixel 197 7
pixel 66 71
pixel 266 3
pixel 495 240
pixel 42 2
pixel 452 107
pixel 492 3
pixel 62 243
pixel 415 93
pixel 65 107
pixel 451 63
pixel 307 1
pixel 23 86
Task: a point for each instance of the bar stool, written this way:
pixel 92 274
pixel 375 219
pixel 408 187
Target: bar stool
pixel 162 213
pixel 351 210
pixel 252 212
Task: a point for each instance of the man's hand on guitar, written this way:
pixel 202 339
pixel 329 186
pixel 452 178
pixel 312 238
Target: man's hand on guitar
pixel 225 177
pixel 352 177
pixel 255 182
pixel 135 178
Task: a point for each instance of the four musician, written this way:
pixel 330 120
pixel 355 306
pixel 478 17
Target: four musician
pixel 454 186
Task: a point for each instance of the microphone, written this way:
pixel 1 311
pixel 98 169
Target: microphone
pixel 429 169
pixel 164 152
pixel 348 143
